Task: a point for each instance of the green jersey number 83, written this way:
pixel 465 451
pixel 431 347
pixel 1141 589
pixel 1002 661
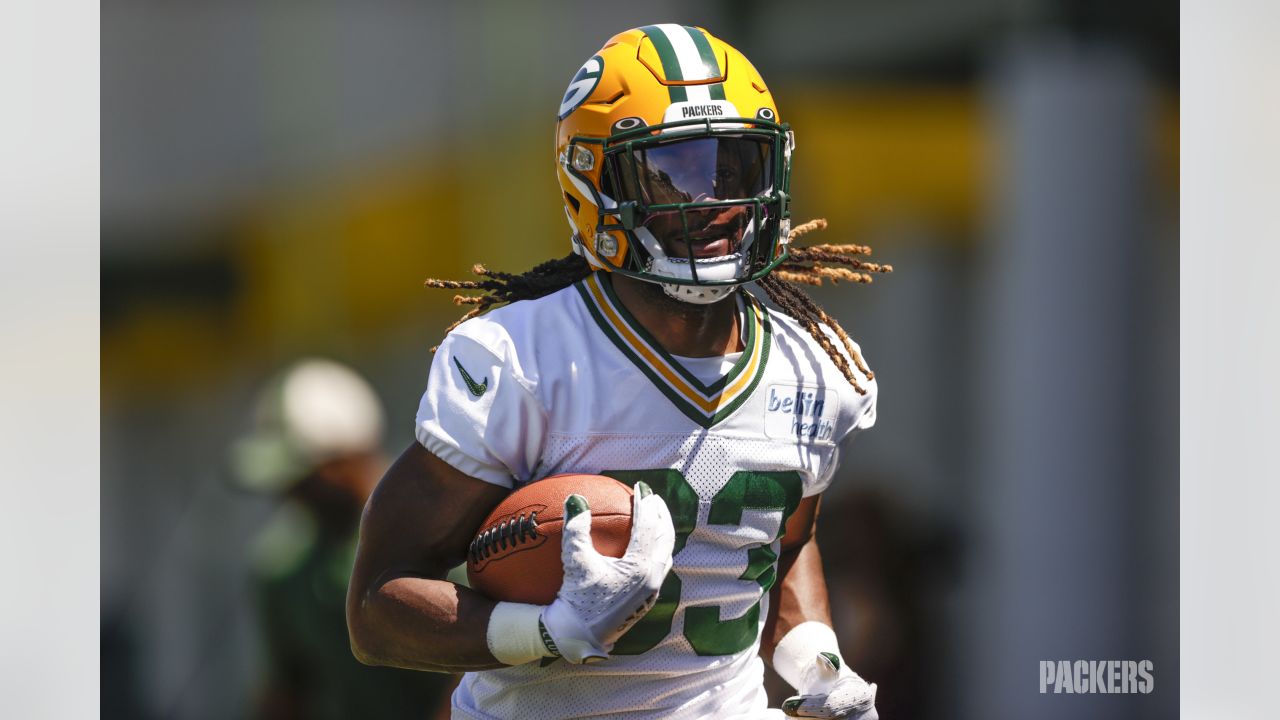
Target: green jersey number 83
pixel 704 628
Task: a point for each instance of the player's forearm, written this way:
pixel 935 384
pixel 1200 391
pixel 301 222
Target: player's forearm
pixel 421 624
pixel 802 648
pixel 800 595
pixel 400 610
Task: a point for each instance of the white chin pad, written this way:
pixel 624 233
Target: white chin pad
pixel 698 294
pixel 718 269
pixel 727 268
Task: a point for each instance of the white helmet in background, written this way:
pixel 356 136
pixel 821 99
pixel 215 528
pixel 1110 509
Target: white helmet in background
pixel 314 411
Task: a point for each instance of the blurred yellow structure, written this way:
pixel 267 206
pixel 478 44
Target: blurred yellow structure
pixel 343 261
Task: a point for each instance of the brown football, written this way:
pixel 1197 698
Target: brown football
pixel 515 556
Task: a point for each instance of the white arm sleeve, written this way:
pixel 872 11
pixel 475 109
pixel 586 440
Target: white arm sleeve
pixel 479 416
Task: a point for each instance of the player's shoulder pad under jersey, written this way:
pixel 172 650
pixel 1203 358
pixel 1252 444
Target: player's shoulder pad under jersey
pixel 858 410
pixel 474 358
pixel 477 413
pixel 516 334
pixel 788 329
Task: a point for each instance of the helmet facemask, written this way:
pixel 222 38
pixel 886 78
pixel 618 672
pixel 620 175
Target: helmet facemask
pixel 702 203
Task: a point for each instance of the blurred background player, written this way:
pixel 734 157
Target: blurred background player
pixel 316 445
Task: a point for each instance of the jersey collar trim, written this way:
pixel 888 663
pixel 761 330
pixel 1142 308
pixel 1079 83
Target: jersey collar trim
pixel 705 404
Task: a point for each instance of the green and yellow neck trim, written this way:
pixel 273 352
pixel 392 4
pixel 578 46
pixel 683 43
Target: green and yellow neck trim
pixel 706 405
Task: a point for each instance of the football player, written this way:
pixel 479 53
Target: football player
pixel 642 356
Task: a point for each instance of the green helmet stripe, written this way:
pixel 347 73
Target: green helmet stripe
pixel 670 63
pixel 705 52
pixel 666 52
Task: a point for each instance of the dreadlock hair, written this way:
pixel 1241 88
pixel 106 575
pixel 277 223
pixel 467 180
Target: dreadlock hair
pixel 812 265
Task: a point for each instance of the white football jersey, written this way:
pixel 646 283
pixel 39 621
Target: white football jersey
pixel 571 383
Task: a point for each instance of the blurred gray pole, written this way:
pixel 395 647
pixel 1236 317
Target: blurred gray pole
pixel 1052 560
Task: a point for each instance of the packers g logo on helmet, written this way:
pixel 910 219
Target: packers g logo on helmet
pixel 673 164
pixel 581 85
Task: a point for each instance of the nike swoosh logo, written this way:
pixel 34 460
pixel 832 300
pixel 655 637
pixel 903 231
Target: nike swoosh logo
pixel 476 388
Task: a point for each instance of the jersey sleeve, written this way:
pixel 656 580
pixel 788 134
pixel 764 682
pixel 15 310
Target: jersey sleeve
pixel 479 416
pixel 866 410
pixel 858 413
pixel 862 412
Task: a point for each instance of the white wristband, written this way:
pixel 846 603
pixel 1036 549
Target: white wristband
pixel 799 658
pixel 515 634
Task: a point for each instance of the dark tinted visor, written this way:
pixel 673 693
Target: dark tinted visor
pixel 695 170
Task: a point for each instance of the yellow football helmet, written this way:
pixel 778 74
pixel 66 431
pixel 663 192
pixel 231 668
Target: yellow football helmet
pixel 674 164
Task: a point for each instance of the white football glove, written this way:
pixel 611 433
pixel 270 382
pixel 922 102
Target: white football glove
pixel 602 597
pixel 808 657
pixel 834 691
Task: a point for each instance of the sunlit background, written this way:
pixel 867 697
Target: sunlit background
pixel 278 179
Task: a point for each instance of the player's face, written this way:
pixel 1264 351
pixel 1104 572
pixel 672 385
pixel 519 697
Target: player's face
pixel 698 170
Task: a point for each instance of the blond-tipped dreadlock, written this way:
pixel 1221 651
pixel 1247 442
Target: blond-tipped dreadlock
pixel 812 265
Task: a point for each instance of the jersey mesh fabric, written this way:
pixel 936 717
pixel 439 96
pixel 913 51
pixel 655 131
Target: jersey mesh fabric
pixel 671 680
pixel 597 412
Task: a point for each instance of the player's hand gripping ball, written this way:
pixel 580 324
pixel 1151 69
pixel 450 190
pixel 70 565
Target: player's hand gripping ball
pixel 515 557
pixel 588 550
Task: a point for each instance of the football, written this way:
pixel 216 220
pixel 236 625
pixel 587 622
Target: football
pixel 515 556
